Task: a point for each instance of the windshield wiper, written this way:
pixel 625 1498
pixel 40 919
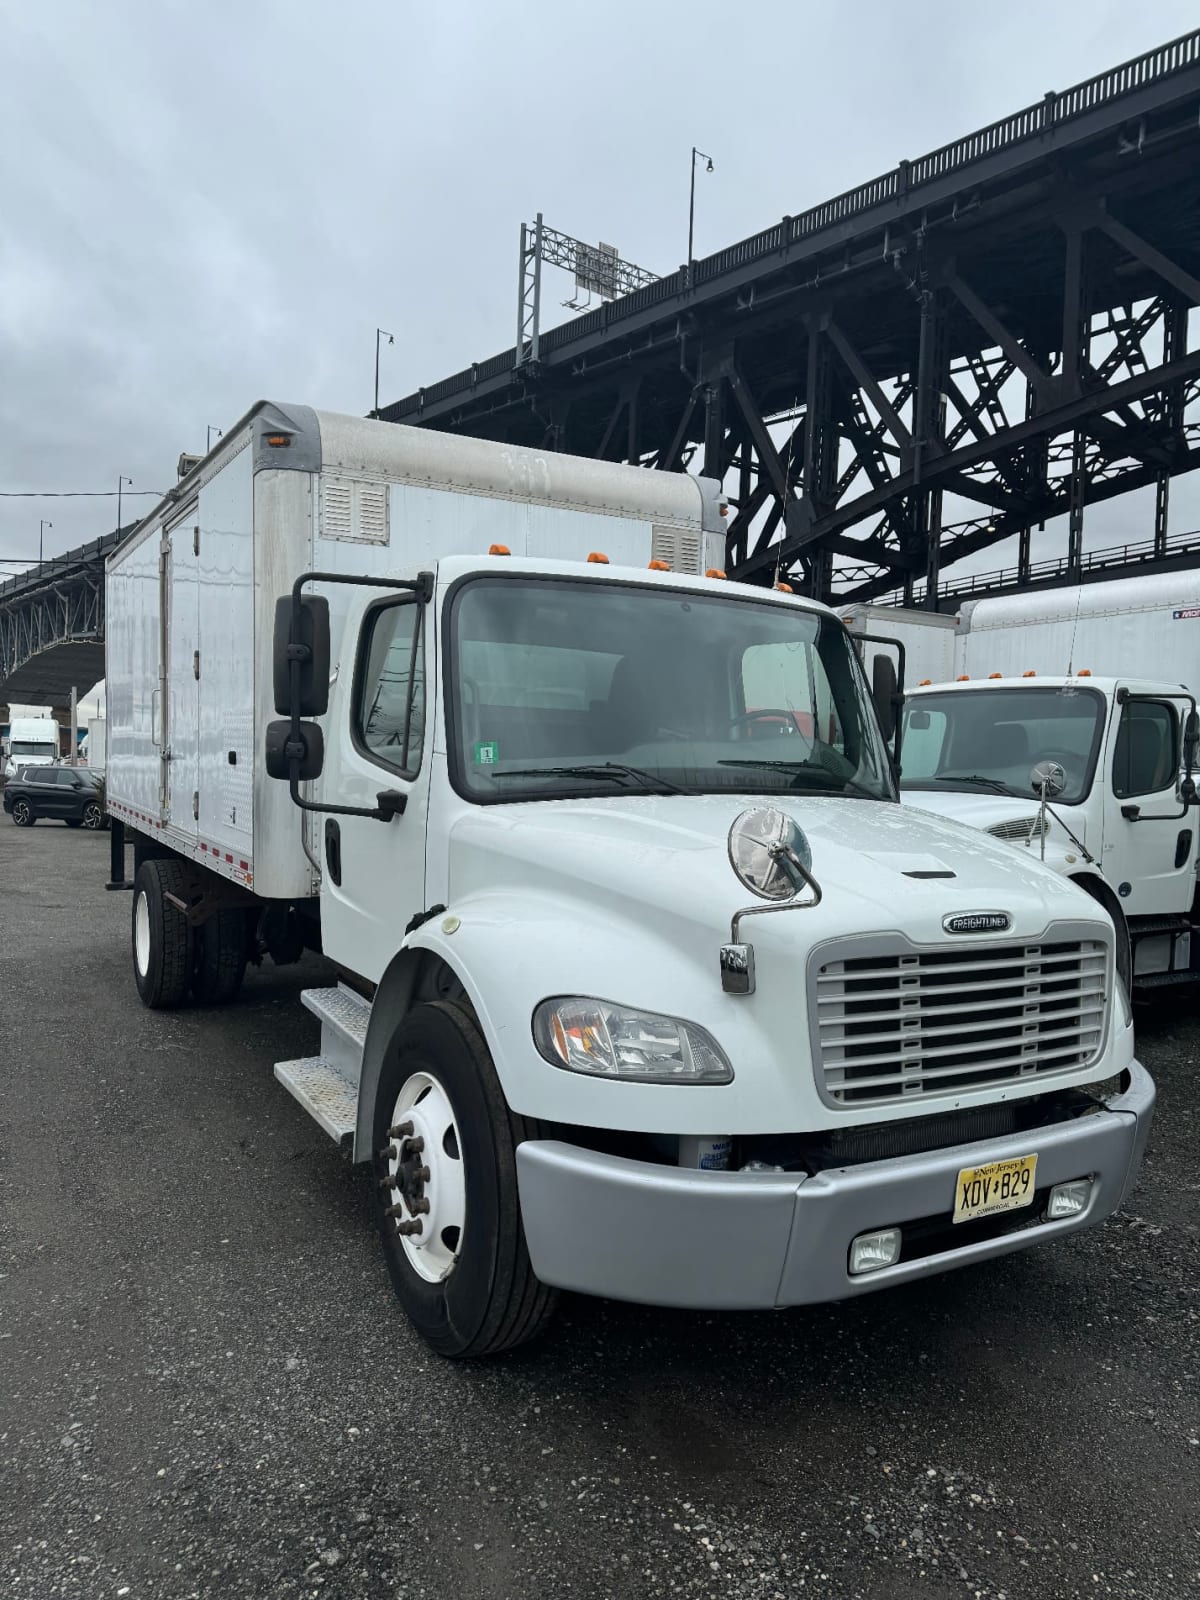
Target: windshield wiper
pixel 614 771
pixel 844 784
pixel 976 777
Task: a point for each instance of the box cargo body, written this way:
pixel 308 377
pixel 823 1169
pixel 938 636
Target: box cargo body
pixel 191 596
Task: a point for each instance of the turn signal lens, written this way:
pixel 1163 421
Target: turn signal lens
pixel 609 1041
pixel 499 550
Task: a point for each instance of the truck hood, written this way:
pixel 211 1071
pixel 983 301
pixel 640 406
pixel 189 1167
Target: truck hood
pixel 655 859
pixel 985 810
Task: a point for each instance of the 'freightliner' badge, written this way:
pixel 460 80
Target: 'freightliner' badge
pixel 978 922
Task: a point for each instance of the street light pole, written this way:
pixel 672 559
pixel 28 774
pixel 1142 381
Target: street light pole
pixel 120 481
pixel 692 206
pixel 212 428
pixel 380 333
pixel 42 526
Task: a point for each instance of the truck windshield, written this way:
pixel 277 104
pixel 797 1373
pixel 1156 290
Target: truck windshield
pixel 575 686
pixel 30 747
pixel 981 740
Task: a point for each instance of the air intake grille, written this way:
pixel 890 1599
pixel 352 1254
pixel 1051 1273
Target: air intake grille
pixel 680 548
pixel 1020 828
pixel 920 1023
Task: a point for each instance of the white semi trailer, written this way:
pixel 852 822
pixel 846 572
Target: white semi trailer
pixel 647 987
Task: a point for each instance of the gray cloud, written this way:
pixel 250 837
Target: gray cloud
pixel 203 205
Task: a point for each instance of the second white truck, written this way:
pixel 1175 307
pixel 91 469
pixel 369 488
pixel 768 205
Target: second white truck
pixel 645 984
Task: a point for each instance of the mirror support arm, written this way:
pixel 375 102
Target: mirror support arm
pixel 391 802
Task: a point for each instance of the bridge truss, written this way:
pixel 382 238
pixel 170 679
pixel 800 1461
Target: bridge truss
pixel 999 333
pixel 52 626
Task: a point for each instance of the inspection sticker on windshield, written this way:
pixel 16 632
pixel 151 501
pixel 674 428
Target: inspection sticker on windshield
pixel 487 754
pixel 1000 1186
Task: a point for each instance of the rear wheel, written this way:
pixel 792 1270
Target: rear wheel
pixel 220 958
pixel 22 814
pixel 446 1189
pixel 93 816
pixel 162 941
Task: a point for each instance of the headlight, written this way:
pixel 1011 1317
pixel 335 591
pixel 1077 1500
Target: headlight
pixel 610 1041
pixel 760 842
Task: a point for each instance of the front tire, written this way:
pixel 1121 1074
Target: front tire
pixel 464 1276
pixel 22 814
pixel 163 950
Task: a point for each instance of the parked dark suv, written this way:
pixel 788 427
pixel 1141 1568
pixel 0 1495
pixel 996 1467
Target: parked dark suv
pixel 72 794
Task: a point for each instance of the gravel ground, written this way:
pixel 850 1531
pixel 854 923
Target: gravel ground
pixel 206 1389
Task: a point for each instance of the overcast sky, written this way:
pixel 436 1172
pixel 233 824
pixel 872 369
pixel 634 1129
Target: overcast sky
pixel 202 204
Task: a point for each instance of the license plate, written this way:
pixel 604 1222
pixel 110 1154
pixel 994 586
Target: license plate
pixel 1000 1186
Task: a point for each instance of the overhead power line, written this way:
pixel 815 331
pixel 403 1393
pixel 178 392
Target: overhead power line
pixel 75 494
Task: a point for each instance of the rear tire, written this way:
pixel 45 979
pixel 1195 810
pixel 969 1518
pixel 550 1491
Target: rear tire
pixel 163 946
pixel 220 958
pixel 486 1298
pixel 93 816
pixel 22 814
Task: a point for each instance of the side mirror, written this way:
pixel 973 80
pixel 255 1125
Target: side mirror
pixel 883 693
pixel 309 749
pixel 310 648
pixel 1048 779
pixel 1191 740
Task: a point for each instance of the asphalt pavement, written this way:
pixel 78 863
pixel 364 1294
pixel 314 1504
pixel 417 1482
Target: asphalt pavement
pixel 207 1389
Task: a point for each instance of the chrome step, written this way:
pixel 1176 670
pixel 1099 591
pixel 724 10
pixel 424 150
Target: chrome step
pixel 329 1098
pixel 326 1085
pixel 343 1016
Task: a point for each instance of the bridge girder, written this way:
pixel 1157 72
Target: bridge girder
pixel 984 339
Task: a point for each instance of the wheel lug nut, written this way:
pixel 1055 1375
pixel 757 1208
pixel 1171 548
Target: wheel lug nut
pixel 421 1206
pixel 415 1226
pixel 400 1131
pixel 390 1152
pixel 390 1183
pixel 421 1175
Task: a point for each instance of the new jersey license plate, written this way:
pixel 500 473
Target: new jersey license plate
pixel 1000 1186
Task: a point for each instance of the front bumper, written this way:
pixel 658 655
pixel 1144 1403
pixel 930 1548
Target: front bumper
pixel 675 1236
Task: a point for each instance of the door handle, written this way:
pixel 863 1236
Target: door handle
pixel 154 694
pixel 333 849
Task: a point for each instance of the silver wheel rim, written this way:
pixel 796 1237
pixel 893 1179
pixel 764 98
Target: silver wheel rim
pixel 21 812
pixel 91 816
pixel 424 1104
pixel 141 934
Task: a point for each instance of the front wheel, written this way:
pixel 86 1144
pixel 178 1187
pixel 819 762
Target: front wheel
pixel 22 814
pixel 93 816
pixel 446 1189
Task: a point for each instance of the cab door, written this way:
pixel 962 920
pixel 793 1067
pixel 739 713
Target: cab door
pixel 373 873
pixel 1149 836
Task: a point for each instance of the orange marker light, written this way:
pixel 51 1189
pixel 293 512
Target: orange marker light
pixel 276 440
pixel 785 588
pixel 1029 674
pixel 1084 672
pixel 659 566
pixel 714 572
pixel 598 556
pixel 995 674
pixel 723 509
pixel 924 683
pixel 499 550
pixel 963 677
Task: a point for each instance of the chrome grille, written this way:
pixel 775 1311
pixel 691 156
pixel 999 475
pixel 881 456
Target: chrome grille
pixel 923 1022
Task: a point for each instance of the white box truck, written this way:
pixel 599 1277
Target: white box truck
pixel 97 743
pixel 1120 817
pixel 647 986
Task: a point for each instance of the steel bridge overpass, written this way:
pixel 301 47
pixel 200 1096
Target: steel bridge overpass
pixel 52 626
pixel 947 356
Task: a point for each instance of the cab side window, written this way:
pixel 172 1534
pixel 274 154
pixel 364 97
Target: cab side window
pixel 1146 758
pixel 390 713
